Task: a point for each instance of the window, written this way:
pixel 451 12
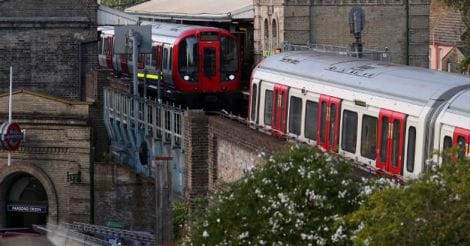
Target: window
pixel 188 58
pixel 369 136
pixel 331 140
pixel 384 139
pixel 410 152
pixel 228 57
pixel 266 34
pixel 154 58
pixel 209 62
pixel 396 143
pixel 274 32
pixel 295 115
pixel 171 59
pixel 311 120
pixel 254 94
pixel 268 107
pixel 323 122
pixel 447 143
pixel 349 132
pixel 165 58
pixel 461 145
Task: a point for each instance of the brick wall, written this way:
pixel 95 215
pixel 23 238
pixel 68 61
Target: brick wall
pixel 326 22
pixel 122 195
pixel 57 142
pixel 220 151
pixel 50 45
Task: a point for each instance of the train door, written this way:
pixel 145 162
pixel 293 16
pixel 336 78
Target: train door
pixel 209 64
pixel 391 135
pixel 109 52
pixel 279 108
pixel 462 141
pixel 123 63
pixel 328 125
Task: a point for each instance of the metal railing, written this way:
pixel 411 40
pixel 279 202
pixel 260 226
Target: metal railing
pixel 378 55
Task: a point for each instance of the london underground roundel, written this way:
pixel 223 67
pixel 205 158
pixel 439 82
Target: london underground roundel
pixel 11 136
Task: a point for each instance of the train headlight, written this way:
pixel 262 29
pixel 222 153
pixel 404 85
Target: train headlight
pixel 231 77
pixel 186 77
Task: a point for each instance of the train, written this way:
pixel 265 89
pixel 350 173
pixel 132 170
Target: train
pixel 385 117
pixel 193 60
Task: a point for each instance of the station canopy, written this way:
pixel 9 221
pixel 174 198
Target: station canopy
pixel 199 10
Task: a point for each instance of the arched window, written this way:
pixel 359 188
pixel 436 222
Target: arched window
pixel 266 35
pixel 275 40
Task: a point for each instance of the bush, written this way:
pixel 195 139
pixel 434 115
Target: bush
pixel 433 210
pixel 297 196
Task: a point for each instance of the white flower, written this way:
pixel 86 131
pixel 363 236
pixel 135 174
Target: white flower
pixel 205 234
pixel 243 235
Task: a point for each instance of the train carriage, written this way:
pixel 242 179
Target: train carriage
pixel 192 59
pixel 375 113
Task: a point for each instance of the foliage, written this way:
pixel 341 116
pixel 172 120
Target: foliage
pixel 180 212
pixel 433 210
pixel 296 197
pixel 121 4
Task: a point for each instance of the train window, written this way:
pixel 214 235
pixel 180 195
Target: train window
pixel 331 141
pixel 383 144
pixel 268 107
pixel 165 58
pixel 323 122
pixel 461 145
pixel 188 58
pixel 410 152
pixel 171 59
pixel 369 136
pixel 154 58
pixel 349 132
pixel 447 143
pixel 254 94
pixel 396 143
pixel 295 115
pixel 209 62
pixel 228 57
pixel 311 120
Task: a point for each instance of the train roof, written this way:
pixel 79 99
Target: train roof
pixel 461 104
pixel 415 84
pixel 167 32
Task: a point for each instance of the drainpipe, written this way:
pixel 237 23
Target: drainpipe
pixel 407 50
pixel 92 184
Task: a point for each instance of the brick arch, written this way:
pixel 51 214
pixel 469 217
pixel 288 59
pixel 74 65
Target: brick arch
pixel 38 173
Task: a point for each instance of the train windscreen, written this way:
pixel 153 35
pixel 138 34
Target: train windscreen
pixel 228 58
pixel 189 59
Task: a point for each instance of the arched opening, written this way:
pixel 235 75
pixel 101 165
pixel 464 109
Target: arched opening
pixel 275 41
pixel 26 201
pixel 266 35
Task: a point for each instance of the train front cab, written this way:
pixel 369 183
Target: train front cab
pixel 207 61
pixel 378 137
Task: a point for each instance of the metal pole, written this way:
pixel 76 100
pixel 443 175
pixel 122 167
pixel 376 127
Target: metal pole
pixel 160 75
pixel 135 44
pixel 9 108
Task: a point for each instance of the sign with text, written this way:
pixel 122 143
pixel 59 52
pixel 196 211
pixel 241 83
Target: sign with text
pixel 10 136
pixel 27 208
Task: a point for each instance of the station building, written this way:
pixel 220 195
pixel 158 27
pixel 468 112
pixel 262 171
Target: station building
pixel 51 45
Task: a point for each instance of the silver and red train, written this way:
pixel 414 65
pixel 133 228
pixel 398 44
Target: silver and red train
pixel 386 117
pixel 194 60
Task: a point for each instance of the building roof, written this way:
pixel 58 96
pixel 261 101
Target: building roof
pixel 448 28
pixel 203 10
pixel 112 17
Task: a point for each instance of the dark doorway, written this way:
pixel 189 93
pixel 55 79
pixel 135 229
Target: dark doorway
pixel 26 202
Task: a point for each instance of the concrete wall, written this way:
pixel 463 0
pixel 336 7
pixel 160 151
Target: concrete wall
pixel 50 44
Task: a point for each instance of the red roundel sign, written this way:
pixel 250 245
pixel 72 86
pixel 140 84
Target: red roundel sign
pixel 11 136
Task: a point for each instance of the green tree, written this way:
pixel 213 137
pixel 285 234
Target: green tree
pixel 297 197
pixel 464 7
pixel 121 4
pixel 433 210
